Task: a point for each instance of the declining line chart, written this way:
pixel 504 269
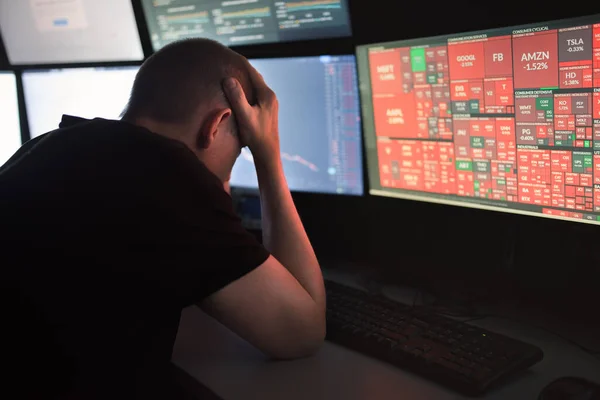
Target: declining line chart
pixel 298 159
pixel 295 158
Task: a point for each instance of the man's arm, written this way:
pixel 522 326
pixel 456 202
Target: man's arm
pixel 280 306
pixel 283 233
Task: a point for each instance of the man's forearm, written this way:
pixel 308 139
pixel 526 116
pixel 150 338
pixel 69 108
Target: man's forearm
pixel 283 233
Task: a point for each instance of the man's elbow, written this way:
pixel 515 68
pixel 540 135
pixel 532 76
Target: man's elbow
pixel 301 343
pixel 302 348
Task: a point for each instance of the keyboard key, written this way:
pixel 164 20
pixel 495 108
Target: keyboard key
pixel 417 353
pixel 406 348
pixel 448 364
pixel 379 338
pixel 393 335
pixel 420 324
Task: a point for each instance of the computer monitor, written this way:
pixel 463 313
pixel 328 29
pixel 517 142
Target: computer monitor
pixel 245 22
pixel 10 125
pixel 504 119
pixel 83 92
pixel 319 125
pixel 69 31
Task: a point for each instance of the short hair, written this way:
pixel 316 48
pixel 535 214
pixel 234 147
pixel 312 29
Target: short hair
pixel 174 82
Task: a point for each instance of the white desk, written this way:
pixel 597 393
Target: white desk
pixel 235 370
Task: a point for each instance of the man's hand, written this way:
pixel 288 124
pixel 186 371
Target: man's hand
pixel 259 124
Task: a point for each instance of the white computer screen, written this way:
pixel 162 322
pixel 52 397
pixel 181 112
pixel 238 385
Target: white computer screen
pixel 10 127
pixel 319 125
pixel 82 92
pixel 66 31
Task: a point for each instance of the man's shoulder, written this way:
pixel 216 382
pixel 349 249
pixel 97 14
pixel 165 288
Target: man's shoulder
pixel 107 143
pixel 112 154
pixel 99 133
pixel 79 134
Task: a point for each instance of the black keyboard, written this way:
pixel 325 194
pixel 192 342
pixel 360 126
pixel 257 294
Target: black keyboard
pixel 455 354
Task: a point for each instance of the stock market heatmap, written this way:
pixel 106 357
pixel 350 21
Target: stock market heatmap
pixel 319 125
pixel 504 119
pixel 244 22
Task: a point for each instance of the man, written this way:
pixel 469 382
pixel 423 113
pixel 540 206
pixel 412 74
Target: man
pixel 110 228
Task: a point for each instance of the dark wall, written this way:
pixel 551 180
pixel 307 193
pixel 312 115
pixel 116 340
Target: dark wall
pixel 502 255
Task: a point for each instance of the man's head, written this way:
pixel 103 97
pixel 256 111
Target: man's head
pixel 178 93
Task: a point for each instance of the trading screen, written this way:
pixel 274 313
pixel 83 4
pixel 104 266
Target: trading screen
pixel 69 31
pixel 10 126
pixel 243 22
pixel 83 92
pixel 319 125
pixel 505 119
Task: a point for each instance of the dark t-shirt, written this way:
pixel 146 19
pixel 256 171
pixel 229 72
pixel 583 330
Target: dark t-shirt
pixel 107 231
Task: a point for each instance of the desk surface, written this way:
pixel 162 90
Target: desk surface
pixel 236 370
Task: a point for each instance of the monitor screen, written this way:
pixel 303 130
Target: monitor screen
pixel 245 22
pixel 504 119
pixel 10 125
pixel 69 31
pixel 319 125
pixel 82 92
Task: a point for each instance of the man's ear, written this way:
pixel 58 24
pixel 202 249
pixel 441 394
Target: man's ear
pixel 210 128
